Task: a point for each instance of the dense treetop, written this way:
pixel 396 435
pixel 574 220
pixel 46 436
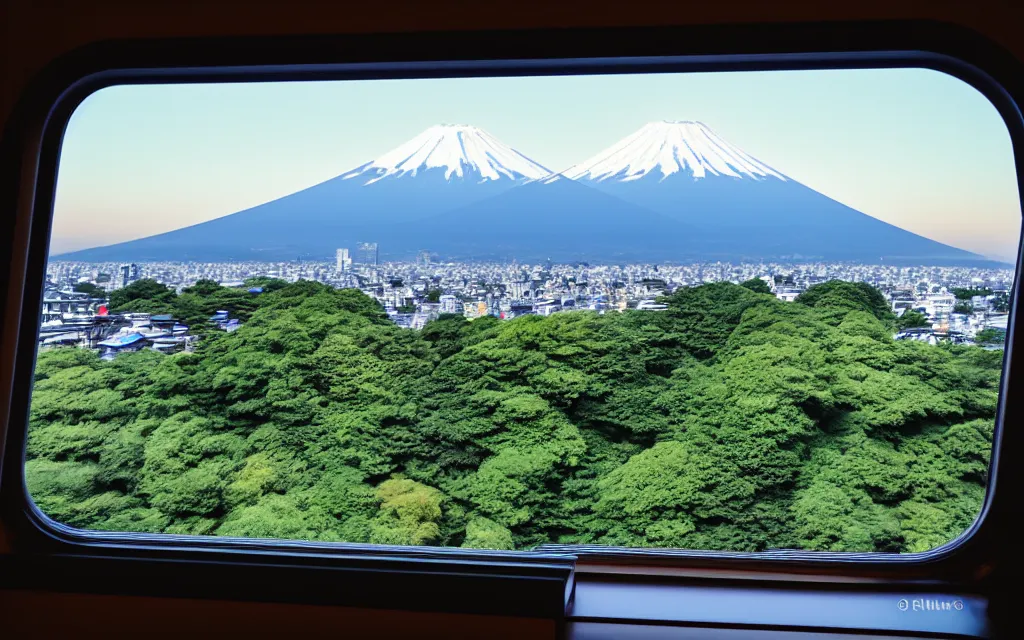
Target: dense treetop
pixel 90 289
pixel 912 318
pixel 729 421
pixel 967 294
pixel 757 285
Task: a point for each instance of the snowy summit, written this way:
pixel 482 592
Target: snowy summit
pixel 460 150
pixel 671 146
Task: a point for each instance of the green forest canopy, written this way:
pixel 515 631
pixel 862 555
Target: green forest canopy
pixel 966 294
pixel 730 421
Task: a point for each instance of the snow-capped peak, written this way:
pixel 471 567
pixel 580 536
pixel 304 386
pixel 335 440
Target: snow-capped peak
pixel 461 150
pixel 668 147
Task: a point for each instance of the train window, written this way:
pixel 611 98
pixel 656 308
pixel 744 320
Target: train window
pixel 739 311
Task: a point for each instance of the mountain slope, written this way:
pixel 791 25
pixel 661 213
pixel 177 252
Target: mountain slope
pixel 745 207
pixel 462 151
pixel 670 147
pixel 672 191
pixel 559 219
pixel 443 168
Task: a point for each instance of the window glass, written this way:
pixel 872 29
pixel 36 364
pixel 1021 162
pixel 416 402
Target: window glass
pixel 739 311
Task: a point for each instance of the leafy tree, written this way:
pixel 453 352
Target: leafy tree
pixel 700 319
pixel 274 516
pixel 912 318
pixel 1001 302
pixel 92 290
pixel 963 307
pixel 989 335
pixel 841 296
pixel 147 290
pixel 968 293
pixel 267 284
pixel 661 494
pixel 482 533
pixel 446 333
pixel 757 285
pixel 409 512
pixel 203 287
pixel 198 303
pixel 434 295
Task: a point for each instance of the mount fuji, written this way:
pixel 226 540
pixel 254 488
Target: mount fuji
pixel 443 168
pixel 740 206
pixel 672 191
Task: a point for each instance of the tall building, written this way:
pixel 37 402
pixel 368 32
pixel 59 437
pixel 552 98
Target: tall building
pixel 449 304
pixel 520 289
pixel 423 258
pixel 344 261
pixel 367 253
pixel 127 274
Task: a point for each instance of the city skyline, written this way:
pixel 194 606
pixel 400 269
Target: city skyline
pixel 413 293
pixel 142 160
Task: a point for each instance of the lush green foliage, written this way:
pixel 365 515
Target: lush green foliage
pixel 757 285
pixel 990 336
pixel 1001 302
pixel 967 294
pixel 963 307
pixel 196 304
pixel 839 297
pixel 145 291
pixel 912 318
pixel 89 288
pixel 729 421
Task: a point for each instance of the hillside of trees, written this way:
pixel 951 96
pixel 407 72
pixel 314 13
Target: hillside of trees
pixel 730 421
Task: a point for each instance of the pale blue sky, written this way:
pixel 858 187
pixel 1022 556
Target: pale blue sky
pixel 915 148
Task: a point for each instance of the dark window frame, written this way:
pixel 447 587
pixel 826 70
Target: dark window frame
pixel 32 141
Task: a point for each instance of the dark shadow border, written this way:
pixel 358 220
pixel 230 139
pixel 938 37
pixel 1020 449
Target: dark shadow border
pixel 53 556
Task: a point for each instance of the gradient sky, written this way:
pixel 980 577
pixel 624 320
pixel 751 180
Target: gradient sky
pixel 916 148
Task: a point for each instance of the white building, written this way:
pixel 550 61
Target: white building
pixel 420 320
pixel 938 307
pixel 997 321
pixel 651 305
pixel 520 289
pixel 787 294
pixel 344 261
pixel 449 304
pixel 474 309
pixel 546 307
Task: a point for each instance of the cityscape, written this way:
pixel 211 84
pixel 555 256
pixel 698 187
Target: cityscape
pixel 415 292
pixel 530 312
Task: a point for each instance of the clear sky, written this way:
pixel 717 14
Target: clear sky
pixel 916 148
